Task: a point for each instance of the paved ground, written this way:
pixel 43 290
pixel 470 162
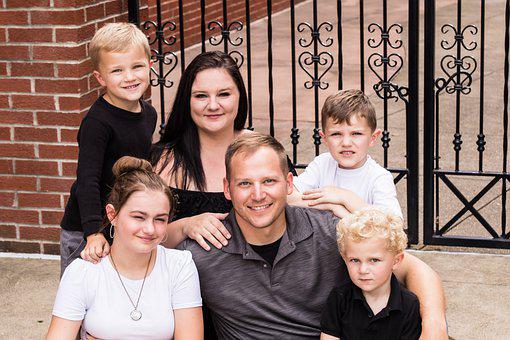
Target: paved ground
pixel 476 285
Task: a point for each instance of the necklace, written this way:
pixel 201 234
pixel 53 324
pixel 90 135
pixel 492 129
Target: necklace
pixel 135 313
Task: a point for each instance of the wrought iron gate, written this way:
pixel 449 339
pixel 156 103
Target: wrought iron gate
pixel 382 60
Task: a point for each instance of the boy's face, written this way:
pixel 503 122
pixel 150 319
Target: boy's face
pixel 370 264
pixel 125 76
pixel 348 143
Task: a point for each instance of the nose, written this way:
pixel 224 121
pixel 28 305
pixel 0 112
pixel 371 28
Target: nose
pixel 346 140
pixel 129 75
pixel 258 194
pixel 148 227
pixel 213 103
pixel 363 268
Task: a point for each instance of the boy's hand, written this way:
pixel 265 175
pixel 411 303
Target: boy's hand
pixel 333 195
pixel 96 248
pixel 207 226
pixel 337 209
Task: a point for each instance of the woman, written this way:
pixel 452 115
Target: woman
pixel 208 113
pixel 140 290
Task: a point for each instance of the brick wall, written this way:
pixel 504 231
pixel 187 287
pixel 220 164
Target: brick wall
pixel 46 87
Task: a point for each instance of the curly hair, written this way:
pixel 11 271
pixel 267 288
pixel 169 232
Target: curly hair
pixel 369 223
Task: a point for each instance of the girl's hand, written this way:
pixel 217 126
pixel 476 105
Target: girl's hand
pixel 207 226
pixel 96 248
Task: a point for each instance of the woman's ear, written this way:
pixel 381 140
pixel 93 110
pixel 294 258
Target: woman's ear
pixel 110 212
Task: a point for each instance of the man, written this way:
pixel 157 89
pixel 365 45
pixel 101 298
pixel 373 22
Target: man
pixel 273 277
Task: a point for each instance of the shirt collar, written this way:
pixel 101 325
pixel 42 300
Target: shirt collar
pixel 394 302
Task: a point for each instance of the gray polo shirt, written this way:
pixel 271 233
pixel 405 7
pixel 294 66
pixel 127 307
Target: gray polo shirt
pixel 249 299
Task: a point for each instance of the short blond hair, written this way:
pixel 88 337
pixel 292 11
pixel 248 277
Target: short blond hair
pixel 117 37
pixel 249 143
pixel 345 104
pixel 369 223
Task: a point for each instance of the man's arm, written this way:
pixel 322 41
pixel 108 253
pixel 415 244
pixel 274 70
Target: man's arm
pixel 426 284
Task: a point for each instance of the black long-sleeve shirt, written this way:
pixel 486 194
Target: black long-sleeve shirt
pixel 106 134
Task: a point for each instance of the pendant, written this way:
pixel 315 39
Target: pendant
pixel 135 315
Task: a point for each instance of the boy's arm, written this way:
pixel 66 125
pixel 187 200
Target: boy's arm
pixel 384 194
pixel 333 195
pixel 426 284
pixel 295 198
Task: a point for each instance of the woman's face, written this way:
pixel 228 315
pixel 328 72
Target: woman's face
pixel 214 101
pixel 140 225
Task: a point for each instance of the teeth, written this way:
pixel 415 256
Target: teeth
pixel 260 207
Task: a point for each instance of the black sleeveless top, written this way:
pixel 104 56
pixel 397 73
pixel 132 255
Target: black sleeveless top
pixel 190 203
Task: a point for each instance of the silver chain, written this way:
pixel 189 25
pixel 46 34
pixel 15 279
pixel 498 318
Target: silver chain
pixel 122 283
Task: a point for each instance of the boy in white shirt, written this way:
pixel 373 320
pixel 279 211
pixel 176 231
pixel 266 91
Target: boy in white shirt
pixel 346 178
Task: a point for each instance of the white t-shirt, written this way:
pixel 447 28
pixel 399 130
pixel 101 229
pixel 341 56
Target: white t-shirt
pixel 93 293
pixel 373 183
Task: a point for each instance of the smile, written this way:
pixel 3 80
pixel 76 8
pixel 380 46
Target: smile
pixel 347 153
pixel 131 87
pixel 260 207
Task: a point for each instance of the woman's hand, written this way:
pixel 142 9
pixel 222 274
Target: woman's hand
pixel 207 226
pixel 96 248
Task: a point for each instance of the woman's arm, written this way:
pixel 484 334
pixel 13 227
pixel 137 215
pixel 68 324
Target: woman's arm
pixel 325 336
pixel 62 329
pixel 188 324
pixel 206 226
pixel 426 284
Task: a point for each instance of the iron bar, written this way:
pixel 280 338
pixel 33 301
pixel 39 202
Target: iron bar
pixel 181 36
pixel 316 135
pixel 294 135
pixel 505 118
pixel 225 32
pixel 270 65
pixel 361 46
pixel 134 12
pixel 481 137
pixel 340 44
pixel 248 61
pixel 385 133
pixel 202 24
pixel 457 138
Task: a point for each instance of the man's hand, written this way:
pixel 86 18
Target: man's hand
pixel 96 248
pixel 207 226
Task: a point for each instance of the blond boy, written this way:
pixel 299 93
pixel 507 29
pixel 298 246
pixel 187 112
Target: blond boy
pixel 119 123
pixel 346 178
pixel 372 305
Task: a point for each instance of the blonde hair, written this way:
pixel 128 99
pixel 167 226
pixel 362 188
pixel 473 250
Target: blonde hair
pixel 249 143
pixel 345 104
pixel 369 223
pixel 117 37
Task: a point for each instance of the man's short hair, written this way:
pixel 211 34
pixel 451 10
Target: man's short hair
pixel 117 37
pixel 345 104
pixel 369 223
pixel 249 143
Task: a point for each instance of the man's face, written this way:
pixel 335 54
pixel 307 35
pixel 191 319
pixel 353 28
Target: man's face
pixel 258 189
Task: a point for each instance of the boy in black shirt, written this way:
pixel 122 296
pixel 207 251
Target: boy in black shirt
pixel 119 123
pixel 372 305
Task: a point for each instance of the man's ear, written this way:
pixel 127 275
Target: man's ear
pixel 397 260
pixel 290 183
pixel 99 77
pixel 375 136
pixel 226 189
pixel 110 212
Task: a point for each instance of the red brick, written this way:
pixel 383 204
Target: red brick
pixel 7 199
pixel 3 35
pixel 35 134
pixel 69 17
pixel 19 215
pixel 68 135
pixel 77 70
pixel 113 7
pixel 69 168
pixel 16 150
pixel 58 151
pixel 95 12
pixel 70 3
pixel 59 52
pixel 57 86
pixel 58 119
pixel 37 233
pixel 76 35
pixel 3 69
pixel 51 248
pixel 16 117
pixel 17 183
pixel 48 168
pixel 14 52
pixel 19 247
pixel 6 166
pixel 5 133
pixel 7 231
pixel 51 217
pixel 4 101
pixel 88 99
pixel 32 69
pixel 27 3
pixel 14 85
pixel 69 103
pixel 33 102
pixel 30 35
pixel 13 17
pixel 56 184
pixel 38 200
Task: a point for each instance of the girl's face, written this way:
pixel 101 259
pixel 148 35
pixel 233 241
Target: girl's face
pixel 140 225
pixel 214 101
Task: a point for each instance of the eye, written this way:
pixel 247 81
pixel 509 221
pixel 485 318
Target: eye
pixel 224 94
pixel 336 134
pixel 243 183
pixel 161 219
pixel 139 66
pixel 354 260
pixel 357 133
pixel 117 70
pixel 200 95
pixel 139 217
pixel 269 181
pixel 375 260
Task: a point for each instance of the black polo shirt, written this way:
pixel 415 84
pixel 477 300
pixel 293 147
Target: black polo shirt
pixel 348 316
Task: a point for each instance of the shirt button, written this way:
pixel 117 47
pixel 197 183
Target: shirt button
pixel 276 284
pixel 246 254
pixel 265 265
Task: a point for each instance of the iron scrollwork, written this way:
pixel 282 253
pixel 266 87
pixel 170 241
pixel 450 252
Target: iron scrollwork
pixel 225 38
